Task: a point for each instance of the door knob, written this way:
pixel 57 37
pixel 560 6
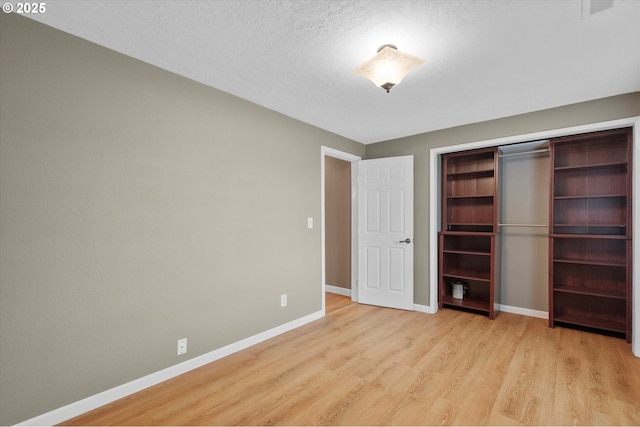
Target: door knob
pixel 407 240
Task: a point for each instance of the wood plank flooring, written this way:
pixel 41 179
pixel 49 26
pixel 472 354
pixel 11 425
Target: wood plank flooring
pixel 334 302
pixel 364 365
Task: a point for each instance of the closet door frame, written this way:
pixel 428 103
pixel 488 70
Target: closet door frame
pixel 435 202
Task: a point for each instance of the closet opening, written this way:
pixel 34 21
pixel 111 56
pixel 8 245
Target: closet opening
pixel 532 224
pixel 523 226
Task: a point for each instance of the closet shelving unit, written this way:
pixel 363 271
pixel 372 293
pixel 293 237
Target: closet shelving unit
pixel 590 234
pixel 467 242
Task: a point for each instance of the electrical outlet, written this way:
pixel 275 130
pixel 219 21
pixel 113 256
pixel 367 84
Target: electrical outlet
pixel 283 300
pixel 182 346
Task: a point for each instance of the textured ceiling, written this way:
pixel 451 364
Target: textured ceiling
pixel 483 59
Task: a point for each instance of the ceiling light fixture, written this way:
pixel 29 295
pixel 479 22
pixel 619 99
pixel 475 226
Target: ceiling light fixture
pixel 388 67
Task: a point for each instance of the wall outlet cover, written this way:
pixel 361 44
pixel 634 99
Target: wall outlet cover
pixel 182 346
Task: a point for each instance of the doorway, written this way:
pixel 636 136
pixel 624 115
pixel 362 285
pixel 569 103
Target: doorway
pixel 337 216
pixel 340 266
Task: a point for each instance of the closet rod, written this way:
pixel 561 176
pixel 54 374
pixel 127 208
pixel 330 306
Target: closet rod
pixel 544 150
pixel 522 225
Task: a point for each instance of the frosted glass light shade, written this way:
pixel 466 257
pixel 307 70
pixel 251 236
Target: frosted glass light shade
pixel 388 67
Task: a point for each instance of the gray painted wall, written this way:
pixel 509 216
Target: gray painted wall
pixel 612 108
pixel 524 199
pixel 138 207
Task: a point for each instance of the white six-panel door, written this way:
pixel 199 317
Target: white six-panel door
pixel 385 232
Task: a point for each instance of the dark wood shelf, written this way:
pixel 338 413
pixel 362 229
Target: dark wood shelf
pixel 613 230
pixel 469 191
pixel 466 252
pixel 589 236
pixel 471 174
pixel 471 162
pixel 591 322
pixel 471 303
pixel 578 224
pixel 471 224
pixel 472 196
pixel 468 233
pixel 589 240
pixel 585 291
pixel 460 276
pixel 587 196
pixel 588 167
pixel 590 262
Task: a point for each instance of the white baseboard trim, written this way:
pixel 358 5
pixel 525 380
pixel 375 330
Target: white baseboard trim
pixel 338 290
pixel 523 311
pixel 80 407
pixel 424 308
pixel 500 307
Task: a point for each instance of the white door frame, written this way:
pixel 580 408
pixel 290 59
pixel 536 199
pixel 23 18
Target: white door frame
pixel 353 159
pixel 435 203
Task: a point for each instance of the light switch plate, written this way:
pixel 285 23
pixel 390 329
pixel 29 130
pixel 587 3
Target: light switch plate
pixel 310 222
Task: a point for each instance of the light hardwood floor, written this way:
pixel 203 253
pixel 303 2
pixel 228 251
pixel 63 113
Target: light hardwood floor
pixel 364 365
pixel 334 302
